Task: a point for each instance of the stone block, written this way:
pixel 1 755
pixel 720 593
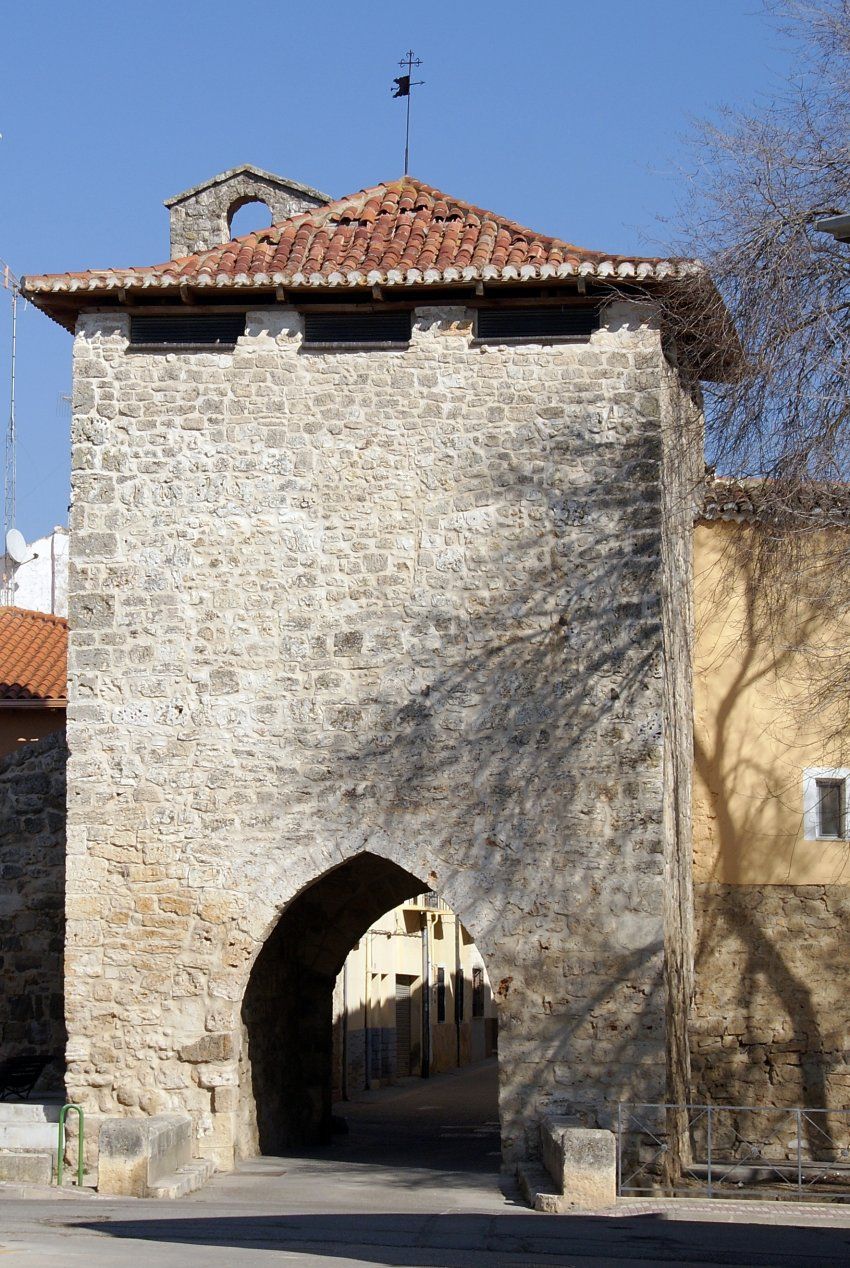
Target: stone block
pixel 225 1099
pixel 214 1075
pixel 214 1047
pixel 582 1162
pixel 26 1168
pixel 136 1154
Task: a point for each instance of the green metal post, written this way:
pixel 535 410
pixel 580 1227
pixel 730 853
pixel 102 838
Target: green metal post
pixel 60 1157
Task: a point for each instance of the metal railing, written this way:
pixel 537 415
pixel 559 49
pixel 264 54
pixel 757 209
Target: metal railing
pixel 738 1151
pixel 60 1151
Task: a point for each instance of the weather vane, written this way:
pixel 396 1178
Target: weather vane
pixel 403 84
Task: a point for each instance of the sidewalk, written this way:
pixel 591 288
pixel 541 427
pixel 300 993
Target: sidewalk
pixel 416 1184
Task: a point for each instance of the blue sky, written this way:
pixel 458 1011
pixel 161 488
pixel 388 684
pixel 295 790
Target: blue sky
pixel 569 117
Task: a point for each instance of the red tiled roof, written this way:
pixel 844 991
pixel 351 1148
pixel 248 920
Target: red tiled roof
pixel 33 655
pixel 403 233
pixel 764 501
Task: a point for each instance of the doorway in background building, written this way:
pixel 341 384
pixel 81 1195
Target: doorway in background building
pixel 403 985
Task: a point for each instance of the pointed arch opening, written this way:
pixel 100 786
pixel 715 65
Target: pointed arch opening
pixel 367 979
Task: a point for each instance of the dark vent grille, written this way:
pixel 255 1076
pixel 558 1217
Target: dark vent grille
pixel 536 323
pixel 217 331
pixel 321 328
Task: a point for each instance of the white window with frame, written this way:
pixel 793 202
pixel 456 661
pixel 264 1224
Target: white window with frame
pixel 825 803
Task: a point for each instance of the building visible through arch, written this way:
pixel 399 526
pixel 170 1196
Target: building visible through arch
pixel 413 998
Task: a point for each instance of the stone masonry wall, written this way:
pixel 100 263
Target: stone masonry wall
pixel 32 897
pixel 404 601
pixel 772 1017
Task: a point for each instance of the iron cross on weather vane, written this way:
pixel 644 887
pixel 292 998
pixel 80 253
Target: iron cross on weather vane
pixel 403 84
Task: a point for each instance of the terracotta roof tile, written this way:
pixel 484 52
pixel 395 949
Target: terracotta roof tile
pixel 768 501
pixel 401 233
pixel 33 655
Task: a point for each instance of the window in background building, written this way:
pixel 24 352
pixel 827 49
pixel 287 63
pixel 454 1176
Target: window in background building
pixel 403 1023
pixel 478 992
pixel 825 804
pixel 830 808
pixel 441 994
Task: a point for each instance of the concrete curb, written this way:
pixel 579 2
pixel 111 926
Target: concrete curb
pixel 44 1192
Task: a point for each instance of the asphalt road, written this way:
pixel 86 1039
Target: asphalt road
pixel 414 1182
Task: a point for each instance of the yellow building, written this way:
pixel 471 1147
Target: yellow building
pixel 413 998
pixel 770 748
pixel 771 1016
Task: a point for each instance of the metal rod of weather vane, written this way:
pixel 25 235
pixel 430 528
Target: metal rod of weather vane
pixel 404 88
pixel 407 133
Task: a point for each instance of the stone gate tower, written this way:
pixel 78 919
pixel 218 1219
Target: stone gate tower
pixel 380 582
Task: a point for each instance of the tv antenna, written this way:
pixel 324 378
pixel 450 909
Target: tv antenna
pixel 404 83
pixel 11 284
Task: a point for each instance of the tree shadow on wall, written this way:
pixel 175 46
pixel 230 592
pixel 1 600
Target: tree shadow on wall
pixel 522 733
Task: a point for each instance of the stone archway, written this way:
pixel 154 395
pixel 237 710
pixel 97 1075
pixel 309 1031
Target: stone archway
pixel 287 1033
pixel 259 215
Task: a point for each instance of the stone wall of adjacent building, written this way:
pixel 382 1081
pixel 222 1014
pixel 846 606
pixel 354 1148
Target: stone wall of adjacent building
pixel 32 899
pixel 772 1016
pixel 405 602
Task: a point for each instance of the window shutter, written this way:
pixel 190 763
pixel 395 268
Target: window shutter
pixel 335 328
pixel 218 330
pixel 571 321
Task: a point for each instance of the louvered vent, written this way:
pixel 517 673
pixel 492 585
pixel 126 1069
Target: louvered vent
pixel 330 328
pixel 576 321
pixel 220 330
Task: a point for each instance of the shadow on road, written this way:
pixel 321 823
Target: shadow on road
pixel 447 1241
pixel 447 1125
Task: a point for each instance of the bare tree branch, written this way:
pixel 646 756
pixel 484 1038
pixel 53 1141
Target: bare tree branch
pixel 760 182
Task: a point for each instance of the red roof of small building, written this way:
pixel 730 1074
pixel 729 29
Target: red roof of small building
pixel 402 233
pixel 33 655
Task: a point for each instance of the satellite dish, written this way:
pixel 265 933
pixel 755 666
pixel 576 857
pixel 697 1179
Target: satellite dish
pixel 16 546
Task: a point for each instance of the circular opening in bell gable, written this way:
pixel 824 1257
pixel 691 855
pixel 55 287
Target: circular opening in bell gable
pixel 250 217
